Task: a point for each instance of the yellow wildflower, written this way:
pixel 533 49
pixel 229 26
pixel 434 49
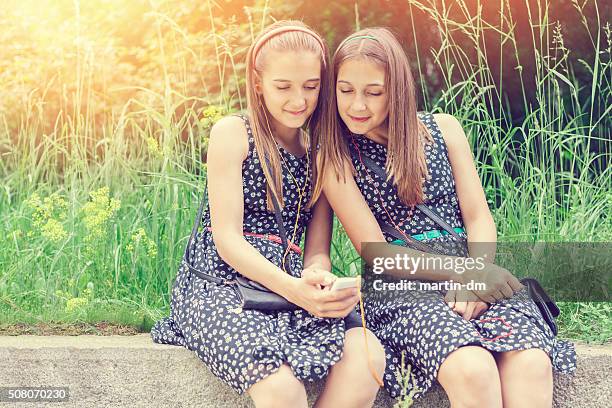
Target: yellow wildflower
pixel 211 115
pixel 75 303
pixel 47 216
pixel 98 211
pixel 153 147
pixel 140 238
pixel 54 231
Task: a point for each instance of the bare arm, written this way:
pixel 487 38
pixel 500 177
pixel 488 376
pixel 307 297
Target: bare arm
pixel 227 150
pixel 318 236
pixel 478 221
pixel 477 218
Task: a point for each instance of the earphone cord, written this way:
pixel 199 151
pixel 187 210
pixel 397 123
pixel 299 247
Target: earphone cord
pixel 365 338
pixel 300 190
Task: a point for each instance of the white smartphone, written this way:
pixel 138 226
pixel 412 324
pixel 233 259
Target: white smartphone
pixel 345 283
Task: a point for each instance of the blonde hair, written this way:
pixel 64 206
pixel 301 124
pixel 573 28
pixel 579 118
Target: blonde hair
pixel 288 35
pixel 407 135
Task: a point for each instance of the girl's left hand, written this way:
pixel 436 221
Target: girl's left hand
pixel 468 309
pixel 329 277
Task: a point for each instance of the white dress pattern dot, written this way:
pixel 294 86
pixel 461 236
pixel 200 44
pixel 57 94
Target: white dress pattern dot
pixel 421 326
pixel 242 348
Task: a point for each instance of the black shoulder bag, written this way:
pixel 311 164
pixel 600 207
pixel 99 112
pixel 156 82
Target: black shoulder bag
pixel 547 307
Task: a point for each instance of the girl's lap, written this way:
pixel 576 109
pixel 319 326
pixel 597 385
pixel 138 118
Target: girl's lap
pixel 245 346
pixel 425 322
pixel 212 315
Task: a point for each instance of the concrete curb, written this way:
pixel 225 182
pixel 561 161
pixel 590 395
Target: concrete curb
pixel 133 371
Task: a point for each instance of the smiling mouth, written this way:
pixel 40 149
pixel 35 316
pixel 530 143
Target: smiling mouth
pixel 296 113
pixel 359 119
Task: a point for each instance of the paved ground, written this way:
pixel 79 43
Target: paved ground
pixel 67 329
pixel 104 371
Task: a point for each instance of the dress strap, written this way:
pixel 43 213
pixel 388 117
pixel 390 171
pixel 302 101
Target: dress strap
pixel 247 124
pixel 430 123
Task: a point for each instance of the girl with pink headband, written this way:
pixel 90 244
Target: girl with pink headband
pixel 257 163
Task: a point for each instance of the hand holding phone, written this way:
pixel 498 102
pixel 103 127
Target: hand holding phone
pixel 345 283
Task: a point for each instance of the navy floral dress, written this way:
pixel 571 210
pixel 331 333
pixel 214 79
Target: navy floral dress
pixel 421 326
pixel 242 347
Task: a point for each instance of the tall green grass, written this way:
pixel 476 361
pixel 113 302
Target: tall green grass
pixel 73 250
pixel 547 177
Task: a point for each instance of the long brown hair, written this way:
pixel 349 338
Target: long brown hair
pixel 407 135
pixel 288 39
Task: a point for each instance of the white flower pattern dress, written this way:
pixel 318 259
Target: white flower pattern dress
pixel 420 325
pixel 242 347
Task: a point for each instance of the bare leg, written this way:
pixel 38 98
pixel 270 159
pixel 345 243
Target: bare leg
pixel 280 389
pixel 526 378
pixel 470 378
pixel 350 382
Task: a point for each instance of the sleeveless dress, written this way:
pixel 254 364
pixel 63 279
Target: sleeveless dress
pixel 242 347
pixel 421 328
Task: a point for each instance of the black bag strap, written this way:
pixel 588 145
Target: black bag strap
pixel 198 220
pixel 196 226
pixel 190 243
pixel 279 221
pixel 380 172
pixel 418 245
pixel 439 220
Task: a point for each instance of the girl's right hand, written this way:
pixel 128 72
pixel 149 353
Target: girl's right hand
pixel 465 304
pixel 500 283
pixel 309 292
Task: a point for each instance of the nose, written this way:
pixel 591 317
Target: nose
pixel 358 104
pixel 298 100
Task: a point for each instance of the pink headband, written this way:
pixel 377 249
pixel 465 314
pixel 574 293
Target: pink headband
pixel 280 30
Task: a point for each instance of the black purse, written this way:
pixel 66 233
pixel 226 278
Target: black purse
pixel 252 294
pixel 549 310
pixel 547 307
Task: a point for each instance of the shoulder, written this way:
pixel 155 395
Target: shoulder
pixel 334 174
pixel 229 136
pixel 229 125
pixel 451 130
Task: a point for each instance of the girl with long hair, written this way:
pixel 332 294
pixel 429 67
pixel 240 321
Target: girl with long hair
pixel 256 162
pixel 385 170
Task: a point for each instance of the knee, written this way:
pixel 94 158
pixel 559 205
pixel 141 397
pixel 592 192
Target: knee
pixel 357 359
pixel 532 363
pixel 470 378
pixel 473 367
pixel 479 374
pixel 281 389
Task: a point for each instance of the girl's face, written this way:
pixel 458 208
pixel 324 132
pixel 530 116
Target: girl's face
pixel 290 84
pixel 362 96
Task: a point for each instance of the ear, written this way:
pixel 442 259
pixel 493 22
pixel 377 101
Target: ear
pixel 258 83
